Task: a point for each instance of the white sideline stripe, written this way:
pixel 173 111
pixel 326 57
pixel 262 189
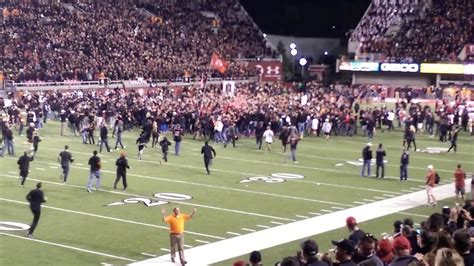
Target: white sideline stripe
pixel 316 213
pixel 202 241
pixel 264 226
pixel 337 208
pixel 323 210
pixel 180 202
pixel 220 187
pixel 358 202
pixel 369 200
pixel 302 216
pixel 233 233
pixel 248 230
pixel 278 223
pixel 414 214
pixel 237 246
pixel 165 249
pixel 187 246
pixel 382 198
pixel 70 247
pixel 148 254
pixel 110 218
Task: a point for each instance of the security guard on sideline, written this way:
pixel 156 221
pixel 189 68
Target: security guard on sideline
pixel 207 151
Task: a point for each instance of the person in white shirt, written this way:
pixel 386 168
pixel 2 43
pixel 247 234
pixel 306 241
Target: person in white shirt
pixel 327 128
pixel 390 118
pixel 268 135
pixel 315 125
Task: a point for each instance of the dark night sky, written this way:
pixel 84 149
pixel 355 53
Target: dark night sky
pixel 306 18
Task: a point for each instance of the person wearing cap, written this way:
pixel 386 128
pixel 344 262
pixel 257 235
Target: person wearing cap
pixel 404 161
pixel 430 184
pixel 356 234
pixel 402 253
pixel 365 254
pixel 255 258
pixel 344 250
pixel 308 255
pixel 384 250
pixel 367 158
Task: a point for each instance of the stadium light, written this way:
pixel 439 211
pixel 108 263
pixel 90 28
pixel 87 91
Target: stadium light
pixel 303 61
pixel 294 52
pixel 326 53
pixel 264 35
pixel 293 46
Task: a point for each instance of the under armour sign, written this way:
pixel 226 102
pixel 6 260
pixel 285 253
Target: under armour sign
pixel 396 67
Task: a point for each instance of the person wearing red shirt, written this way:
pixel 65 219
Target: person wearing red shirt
pixel 459 184
pixel 430 184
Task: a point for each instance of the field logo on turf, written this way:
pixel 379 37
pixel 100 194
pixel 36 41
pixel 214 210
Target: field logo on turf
pixel 160 199
pixel 273 178
pixel 13 226
pixel 433 150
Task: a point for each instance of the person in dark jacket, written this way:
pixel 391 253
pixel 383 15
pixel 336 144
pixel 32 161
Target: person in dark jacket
pixel 36 141
pixel 207 151
pixel 379 155
pixel 367 159
pixel 164 143
pixel 231 135
pixel 284 137
pixel 24 166
pixel 401 251
pixel 104 138
pixel 122 166
pixel 35 198
pixel 65 158
pixel 95 165
pixel 308 255
pixel 141 142
pixel 259 135
pixel 454 140
pixel 404 161
pixel 344 250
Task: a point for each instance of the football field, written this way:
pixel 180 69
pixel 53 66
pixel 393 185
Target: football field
pixel 248 191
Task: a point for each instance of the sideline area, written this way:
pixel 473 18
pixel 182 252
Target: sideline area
pixel 240 245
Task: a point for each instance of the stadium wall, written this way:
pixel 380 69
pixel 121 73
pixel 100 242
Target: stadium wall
pixel 306 47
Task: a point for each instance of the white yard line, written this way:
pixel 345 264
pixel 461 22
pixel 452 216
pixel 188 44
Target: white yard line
pixel 337 208
pixel 358 202
pixel 69 247
pixel 234 233
pixel 179 202
pixel 328 211
pixel 248 229
pixel 110 218
pixel 380 198
pixel 165 249
pixel 41 169
pixel 369 200
pixel 388 195
pixel 278 223
pixel 302 216
pixel 187 246
pixel 237 246
pixel 263 226
pixel 314 213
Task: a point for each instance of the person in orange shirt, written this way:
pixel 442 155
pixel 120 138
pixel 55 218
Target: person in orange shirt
pixel 430 184
pixel 176 222
pixel 459 184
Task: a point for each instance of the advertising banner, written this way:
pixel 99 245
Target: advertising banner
pixel 442 68
pixel 269 71
pixel 359 66
pixel 399 67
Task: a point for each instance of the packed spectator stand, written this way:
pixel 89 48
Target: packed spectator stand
pixel 425 31
pixel 90 40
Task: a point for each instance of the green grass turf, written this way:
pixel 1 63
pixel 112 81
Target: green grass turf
pixel 224 204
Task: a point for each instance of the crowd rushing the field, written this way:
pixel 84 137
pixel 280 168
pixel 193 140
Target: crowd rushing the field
pixel 433 34
pixel 90 40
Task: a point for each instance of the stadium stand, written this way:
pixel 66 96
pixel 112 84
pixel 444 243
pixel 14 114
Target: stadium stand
pixel 90 40
pixel 421 33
